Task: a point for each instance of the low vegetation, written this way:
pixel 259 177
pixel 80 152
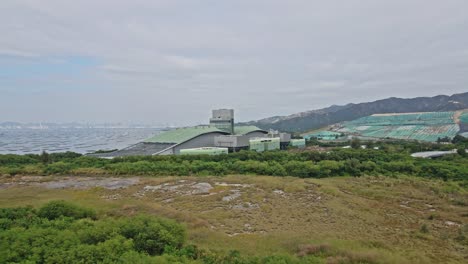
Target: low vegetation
pixel 237 219
pixel 224 209
pixel 389 160
pixel 61 232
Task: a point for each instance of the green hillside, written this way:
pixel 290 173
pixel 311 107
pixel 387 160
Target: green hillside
pixel 429 126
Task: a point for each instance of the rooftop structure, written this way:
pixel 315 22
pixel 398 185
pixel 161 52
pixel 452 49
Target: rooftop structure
pixel 223 119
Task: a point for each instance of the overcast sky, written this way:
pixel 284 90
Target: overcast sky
pixel 173 61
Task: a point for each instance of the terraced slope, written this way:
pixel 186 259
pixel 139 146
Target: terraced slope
pixel 463 122
pixel 429 126
pixel 464 117
pixel 315 119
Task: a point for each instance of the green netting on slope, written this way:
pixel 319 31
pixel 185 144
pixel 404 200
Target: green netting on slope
pixel 436 115
pixel 412 132
pixel 432 133
pixel 464 118
pixel 323 135
pixel 432 118
pixel 402 132
pixel 418 126
pixel 383 120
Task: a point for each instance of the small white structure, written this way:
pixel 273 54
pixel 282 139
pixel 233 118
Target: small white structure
pixel 432 154
pixel 205 150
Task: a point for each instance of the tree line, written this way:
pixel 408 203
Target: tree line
pixel 387 160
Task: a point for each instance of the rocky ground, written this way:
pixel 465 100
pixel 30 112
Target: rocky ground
pixel 413 219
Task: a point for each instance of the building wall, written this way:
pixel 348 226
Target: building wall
pixel 264 144
pixel 224 125
pixel 285 137
pixel 255 134
pixel 225 141
pixel 232 141
pixel 169 151
pixel 299 143
pixel 204 151
pixel 206 140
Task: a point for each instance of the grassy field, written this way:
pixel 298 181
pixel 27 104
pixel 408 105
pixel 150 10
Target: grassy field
pixel 365 219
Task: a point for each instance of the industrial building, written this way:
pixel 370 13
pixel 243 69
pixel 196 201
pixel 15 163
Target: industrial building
pixel 220 133
pixel 284 138
pixel 239 140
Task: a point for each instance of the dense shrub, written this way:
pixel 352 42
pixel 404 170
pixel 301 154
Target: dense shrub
pixel 390 159
pixel 56 209
pixel 60 167
pixel 153 235
pixel 57 235
pixel 302 169
pixel 11 159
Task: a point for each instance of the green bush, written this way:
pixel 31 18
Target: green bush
pixel 56 209
pixel 60 167
pixel 11 159
pixel 152 235
pixel 61 232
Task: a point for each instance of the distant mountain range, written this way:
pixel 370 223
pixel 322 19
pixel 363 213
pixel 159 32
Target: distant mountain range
pixel 334 114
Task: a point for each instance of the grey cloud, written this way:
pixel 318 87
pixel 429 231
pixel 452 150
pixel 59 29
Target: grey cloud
pixel 261 57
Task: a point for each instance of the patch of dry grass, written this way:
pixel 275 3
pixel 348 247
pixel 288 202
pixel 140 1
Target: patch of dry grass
pixel 345 220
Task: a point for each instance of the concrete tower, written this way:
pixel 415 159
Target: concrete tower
pixel 223 119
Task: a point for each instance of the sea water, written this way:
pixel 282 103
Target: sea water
pixel 80 140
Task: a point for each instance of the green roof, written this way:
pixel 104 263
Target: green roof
pixel 242 130
pixel 180 135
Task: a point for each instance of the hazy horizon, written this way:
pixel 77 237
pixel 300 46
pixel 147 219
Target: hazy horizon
pixel 169 124
pixel 173 61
